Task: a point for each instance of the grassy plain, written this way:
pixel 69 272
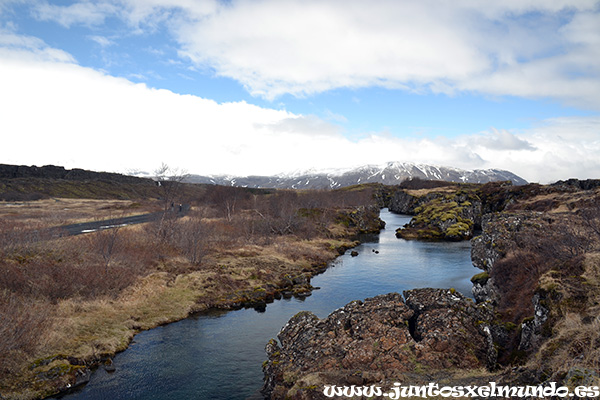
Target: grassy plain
pixel 63 211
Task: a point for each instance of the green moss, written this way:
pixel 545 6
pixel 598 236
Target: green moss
pixel 480 278
pixel 302 313
pixel 57 369
pixel 447 216
pixel 458 230
pixel 310 212
pixel 510 326
pixel 40 362
pixel 527 319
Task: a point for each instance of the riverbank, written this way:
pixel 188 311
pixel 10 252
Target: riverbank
pixel 535 319
pixel 80 331
pixel 186 358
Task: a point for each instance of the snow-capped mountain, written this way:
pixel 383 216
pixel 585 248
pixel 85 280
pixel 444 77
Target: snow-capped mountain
pixel 391 173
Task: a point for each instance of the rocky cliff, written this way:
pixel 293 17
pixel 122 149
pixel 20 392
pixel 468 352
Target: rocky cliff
pixel 535 320
pixel 541 274
pixel 26 183
pixel 455 212
pixel 56 172
pixel 378 340
pixel 449 213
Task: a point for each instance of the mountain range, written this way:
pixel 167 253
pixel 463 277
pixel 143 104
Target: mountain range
pixel 391 173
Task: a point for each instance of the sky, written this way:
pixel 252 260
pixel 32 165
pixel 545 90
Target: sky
pixel 262 87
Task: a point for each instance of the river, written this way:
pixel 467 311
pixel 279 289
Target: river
pixel 218 355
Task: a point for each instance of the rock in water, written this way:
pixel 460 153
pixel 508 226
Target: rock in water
pixel 375 341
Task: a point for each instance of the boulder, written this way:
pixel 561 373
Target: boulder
pixel 377 340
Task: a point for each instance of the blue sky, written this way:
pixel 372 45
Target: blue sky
pixel 268 86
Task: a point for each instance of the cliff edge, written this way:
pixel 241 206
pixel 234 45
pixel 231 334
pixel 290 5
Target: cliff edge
pixel 535 320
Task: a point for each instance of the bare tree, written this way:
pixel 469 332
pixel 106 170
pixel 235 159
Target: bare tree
pixel 104 242
pixel 590 214
pixel 170 181
pixel 228 200
pixel 192 238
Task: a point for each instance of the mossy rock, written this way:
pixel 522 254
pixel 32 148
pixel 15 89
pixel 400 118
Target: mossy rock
pixel 58 369
pixel 42 362
pixel 527 319
pixel 481 278
pixel 458 231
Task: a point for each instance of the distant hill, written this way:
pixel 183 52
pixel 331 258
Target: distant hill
pixel 56 172
pixel 21 183
pixel 391 173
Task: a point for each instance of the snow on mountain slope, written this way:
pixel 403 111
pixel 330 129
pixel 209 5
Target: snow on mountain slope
pixel 391 173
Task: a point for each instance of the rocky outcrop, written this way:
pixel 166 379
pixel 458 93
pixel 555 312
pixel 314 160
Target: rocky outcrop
pixel 23 183
pixel 377 340
pixel 365 218
pixel 440 215
pixel 66 373
pixel 537 304
pixel 56 172
pixel 403 202
pixel 577 184
pixel 486 249
pixel 500 232
pixel 532 263
pixel 531 328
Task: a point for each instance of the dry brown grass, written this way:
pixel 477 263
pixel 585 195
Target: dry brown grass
pixel 23 322
pixel 423 192
pixel 557 202
pixel 575 340
pixel 91 297
pixel 55 212
pixel 88 329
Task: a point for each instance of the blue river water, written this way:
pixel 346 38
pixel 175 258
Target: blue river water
pixel 218 355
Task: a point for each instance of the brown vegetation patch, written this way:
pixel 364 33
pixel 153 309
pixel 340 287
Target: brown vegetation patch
pixel 60 211
pixel 85 297
pixel 424 192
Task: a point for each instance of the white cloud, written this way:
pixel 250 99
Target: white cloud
pixel 56 112
pixel 275 47
pixel 560 148
pixel 85 13
pixel 101 40
pixel 527 48
pixel 503 140
pixel 331 116
pixel 521 48
pixel 308 125
pixel 29 47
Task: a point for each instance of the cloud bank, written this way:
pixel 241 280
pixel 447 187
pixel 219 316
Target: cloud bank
pixel 527 48
pixel 57 112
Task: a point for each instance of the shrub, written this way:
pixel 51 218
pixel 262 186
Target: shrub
pixel 23 323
